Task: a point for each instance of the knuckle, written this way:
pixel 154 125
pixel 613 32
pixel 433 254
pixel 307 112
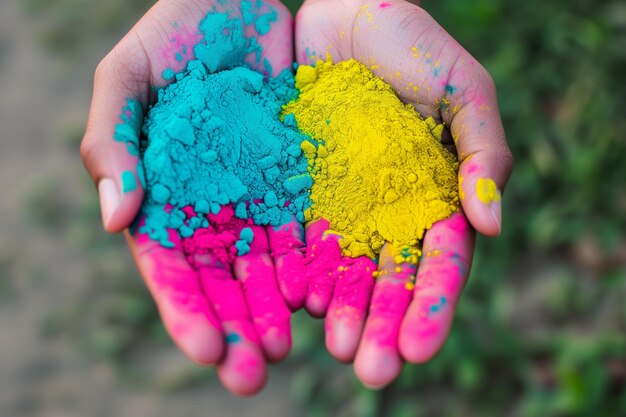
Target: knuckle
pixel 507 159
pixel 485 79
pixel 122 67
pixel 89 149
pixel 105 66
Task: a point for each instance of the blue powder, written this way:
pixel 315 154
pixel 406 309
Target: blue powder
pixel 245 239
pixel 129 183
pixel 243 248
pixel 450 89
pixel 232 338
pixel 250 12
pixel 296 184
pixel 168 74
pixel 128 130
pixel 215 138
pixel 246 235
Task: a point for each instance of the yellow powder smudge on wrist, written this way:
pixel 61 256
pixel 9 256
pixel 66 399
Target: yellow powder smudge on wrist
pixel 380 173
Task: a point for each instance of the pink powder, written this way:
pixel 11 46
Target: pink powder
pixel 287 244
pixel 181 48
pixel 472 169
pixel 218 239
pixel 323 256
pixel 256 273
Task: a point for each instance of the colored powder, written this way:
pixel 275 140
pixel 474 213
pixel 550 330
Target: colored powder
pixel 232 338
pixel 487 190
pixel 128 130
pixel 215 138
pixel 245 239
pixel 128 182
pixel 168 74
pixel 218 238
pixel 380 173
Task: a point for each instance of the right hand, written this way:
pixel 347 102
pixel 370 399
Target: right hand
pixel 429 69
pixel 205 305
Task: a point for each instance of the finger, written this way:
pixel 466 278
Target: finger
pixel 242 369
pixel 270 315
pixel 378 360
pixel 175 287
pixel 322 257
pixel 348 308
pixel 486 161
pixel 286 245
pixel 110 147
pixel 446 261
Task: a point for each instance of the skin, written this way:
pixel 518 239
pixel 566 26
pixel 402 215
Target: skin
pixel 210 309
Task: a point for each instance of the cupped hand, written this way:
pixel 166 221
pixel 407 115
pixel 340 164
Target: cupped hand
pixel 407 322
pixel 211 309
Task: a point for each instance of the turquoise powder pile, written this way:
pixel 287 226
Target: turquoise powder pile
pixel 214 138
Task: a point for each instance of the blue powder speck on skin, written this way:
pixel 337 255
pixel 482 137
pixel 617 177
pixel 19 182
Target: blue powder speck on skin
pixel 129 183
pixel 267 65
pixel 128 130
pixel 179 57
pixel 232 338
pixel 450 89
pixel 436 307
pixel 168 74
pixel 263 23
pixel 215 138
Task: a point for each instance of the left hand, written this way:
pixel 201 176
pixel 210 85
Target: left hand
pixel 228 314
pixel 399 37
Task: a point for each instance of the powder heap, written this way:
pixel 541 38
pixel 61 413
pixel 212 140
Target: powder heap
pixel 380 173
pixel 215 139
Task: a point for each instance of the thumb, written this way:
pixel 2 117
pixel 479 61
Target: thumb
pixel 486 161
pixel 110 147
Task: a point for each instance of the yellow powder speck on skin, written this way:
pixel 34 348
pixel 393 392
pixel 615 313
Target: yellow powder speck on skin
pixel 461 190
pixel 379 172
pixel 487 190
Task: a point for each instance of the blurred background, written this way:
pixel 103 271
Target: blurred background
pixel 540 331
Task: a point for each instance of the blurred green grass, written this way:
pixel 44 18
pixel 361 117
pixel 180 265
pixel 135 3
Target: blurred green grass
pixel 540 329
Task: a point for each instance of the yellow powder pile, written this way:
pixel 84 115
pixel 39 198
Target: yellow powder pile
pixel 380 173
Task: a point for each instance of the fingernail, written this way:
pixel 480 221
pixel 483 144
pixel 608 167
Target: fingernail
pixel 495 208
pixel 109 199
